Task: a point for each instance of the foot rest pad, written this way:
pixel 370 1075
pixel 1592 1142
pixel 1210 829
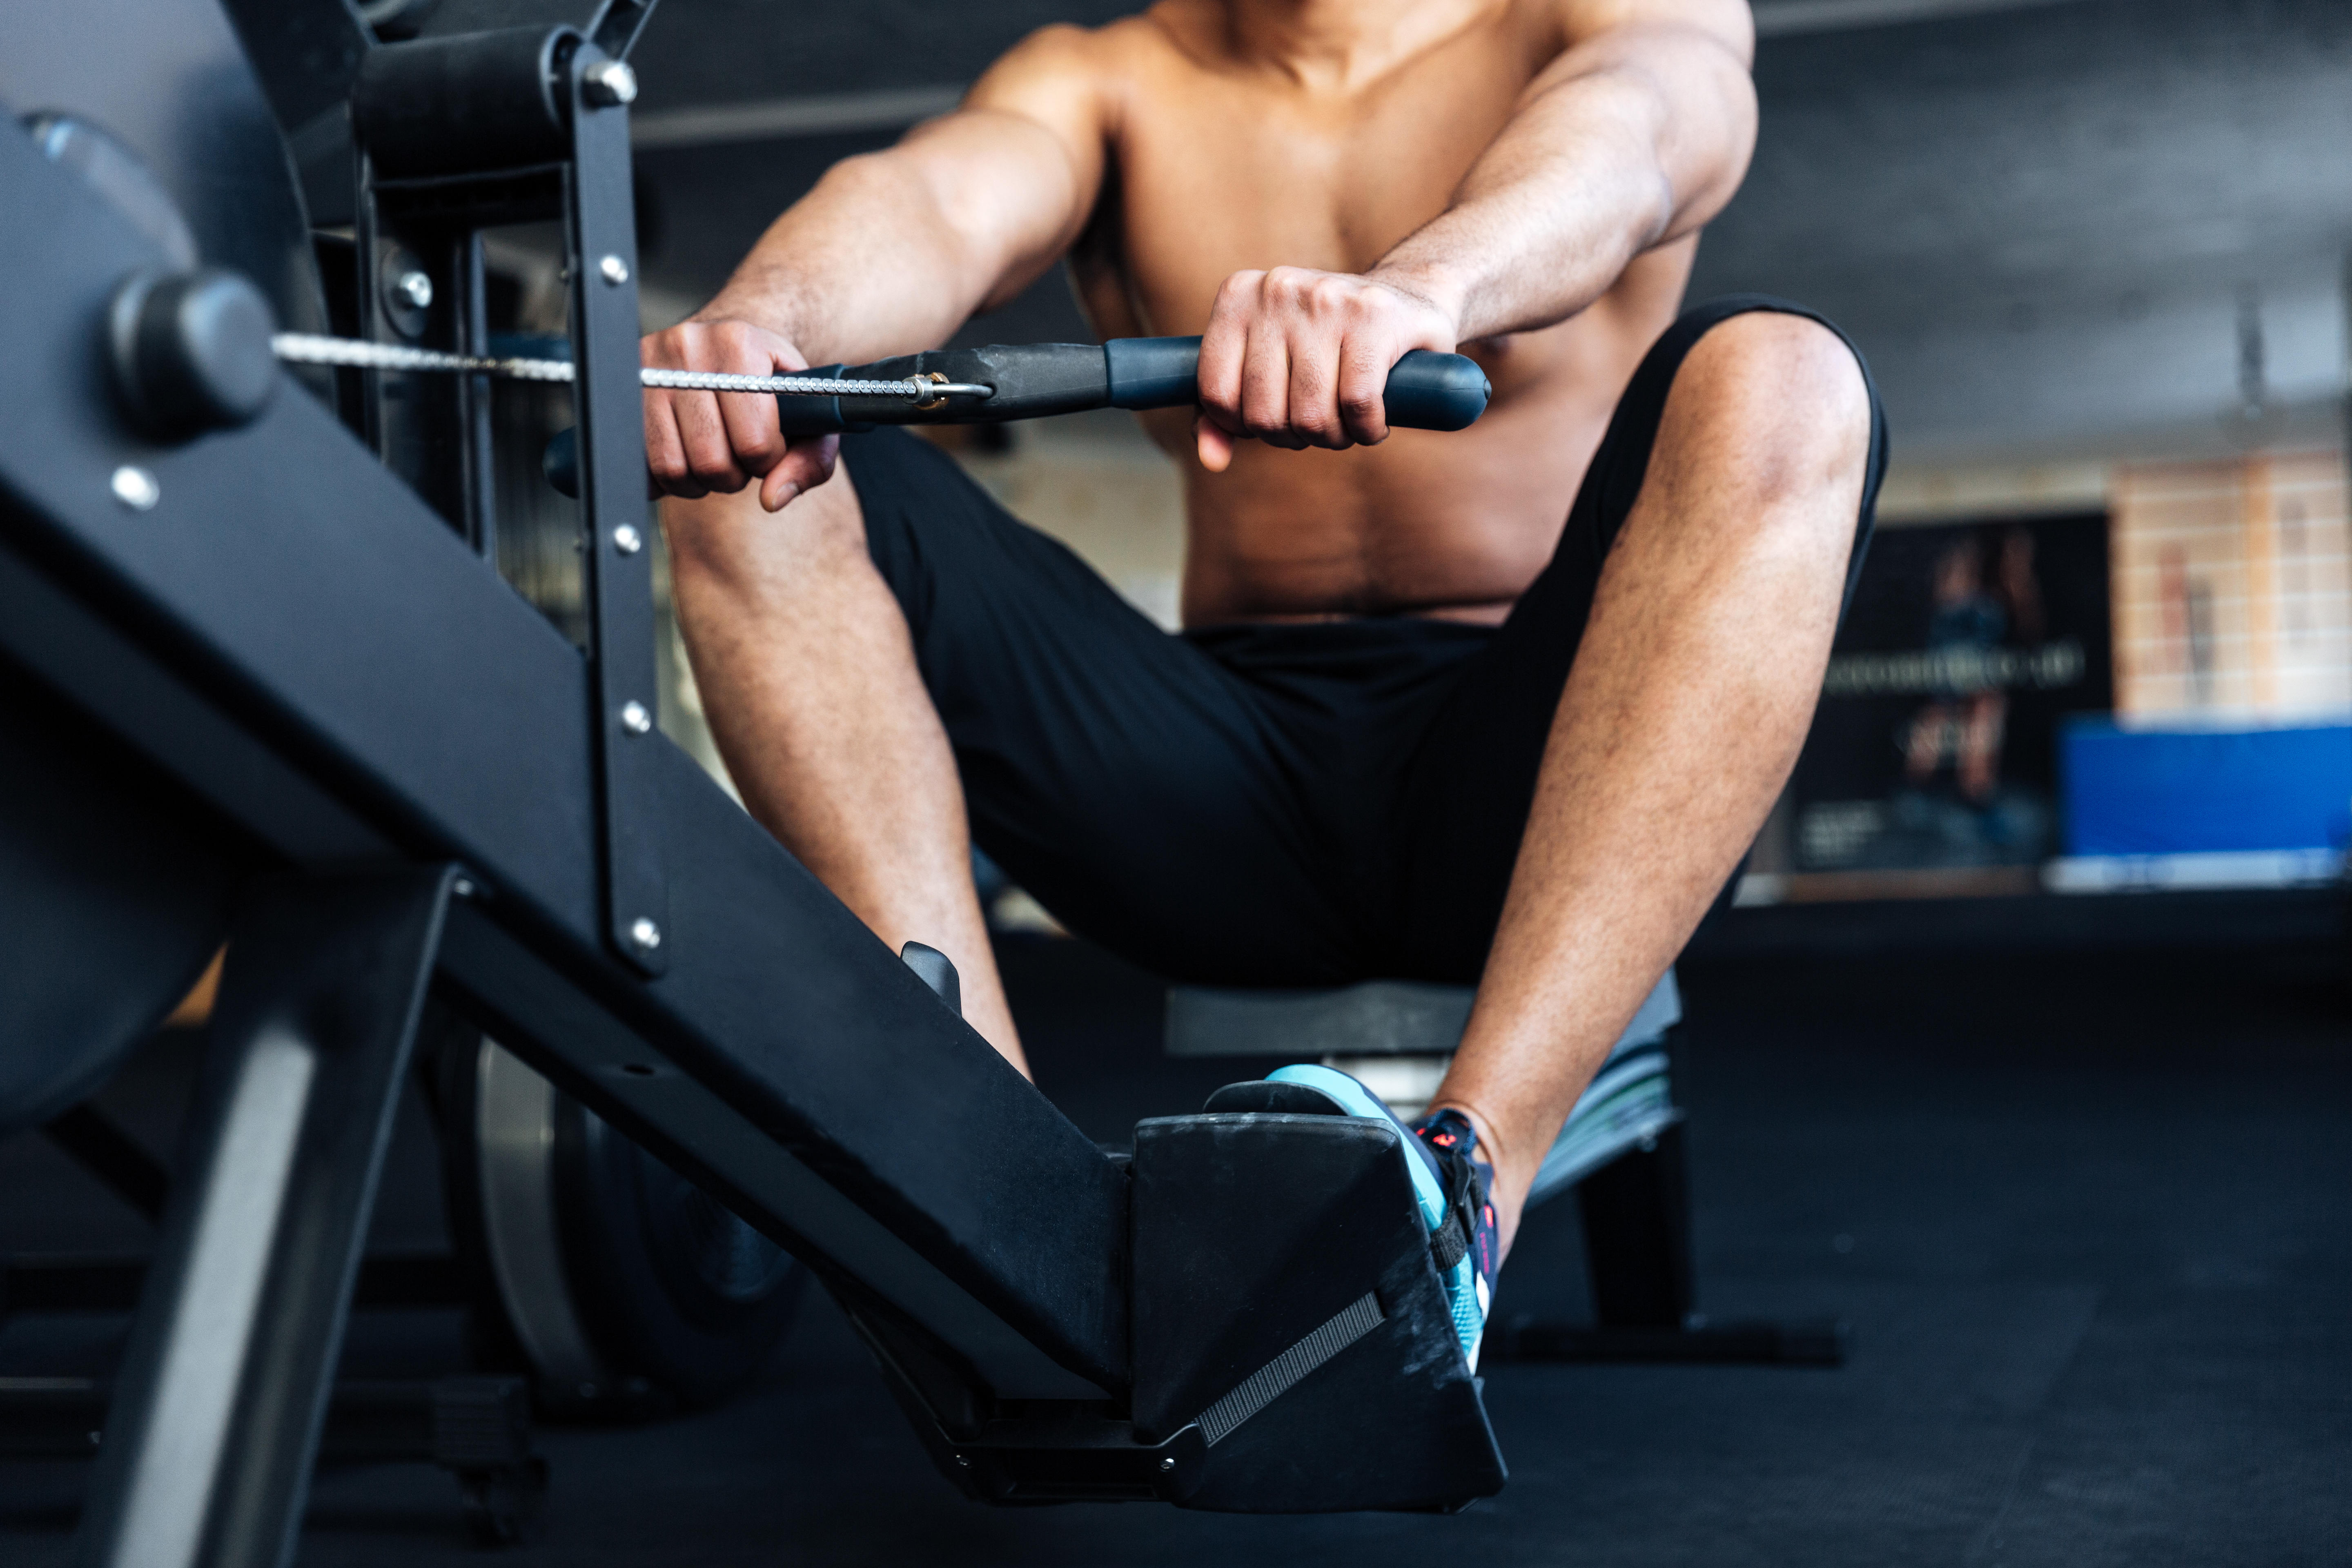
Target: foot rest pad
pixel 1285 1304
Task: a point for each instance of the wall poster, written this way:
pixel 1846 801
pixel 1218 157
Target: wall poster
pixel 1935 744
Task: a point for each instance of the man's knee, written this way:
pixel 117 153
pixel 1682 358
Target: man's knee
pixel 1780 398
pixel 731 542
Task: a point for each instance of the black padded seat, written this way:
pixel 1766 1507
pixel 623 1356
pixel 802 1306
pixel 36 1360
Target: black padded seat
pixel 1397 1037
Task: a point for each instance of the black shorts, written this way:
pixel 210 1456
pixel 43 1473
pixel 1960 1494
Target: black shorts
pixel 1252 805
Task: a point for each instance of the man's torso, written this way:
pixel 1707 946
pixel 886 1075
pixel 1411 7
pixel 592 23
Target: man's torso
pixel 1220 162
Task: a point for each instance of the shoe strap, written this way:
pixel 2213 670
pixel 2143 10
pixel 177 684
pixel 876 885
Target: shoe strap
pixel 1451 1241
pixel 1449 1244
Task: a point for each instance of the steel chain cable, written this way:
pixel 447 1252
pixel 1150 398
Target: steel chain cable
pixel 310 348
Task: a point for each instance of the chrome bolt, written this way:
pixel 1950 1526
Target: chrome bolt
pixel 609 85
pixel 627 540
pixel 1168 1463
pixel 416 288
pixel 136 488
pixel 644 934
pixel 635 719
pixel 613 269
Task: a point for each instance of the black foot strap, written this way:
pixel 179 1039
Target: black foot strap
pixel 1278 1376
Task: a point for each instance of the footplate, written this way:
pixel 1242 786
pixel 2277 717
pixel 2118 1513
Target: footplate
pixel 1288 1312
pixel 1292 1348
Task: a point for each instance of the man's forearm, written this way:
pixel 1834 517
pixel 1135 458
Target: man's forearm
pixel 894 250
pixel 865 266
pixel 1623 152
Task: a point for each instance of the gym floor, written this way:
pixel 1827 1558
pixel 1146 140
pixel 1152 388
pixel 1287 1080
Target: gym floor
pixel 2089 1212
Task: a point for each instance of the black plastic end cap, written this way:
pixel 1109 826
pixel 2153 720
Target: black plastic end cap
pixel 190 351
pixel 936 970
pixel 1430 391
pixel 561 462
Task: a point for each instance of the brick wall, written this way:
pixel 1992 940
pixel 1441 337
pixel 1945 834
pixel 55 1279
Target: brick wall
pixel 2232 588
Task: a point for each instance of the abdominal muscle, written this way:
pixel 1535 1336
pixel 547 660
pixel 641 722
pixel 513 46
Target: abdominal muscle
pixel 1452 525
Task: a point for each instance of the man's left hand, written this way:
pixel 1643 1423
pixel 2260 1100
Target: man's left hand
pixel 1298 358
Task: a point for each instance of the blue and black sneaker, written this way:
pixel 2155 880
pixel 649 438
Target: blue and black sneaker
pixel 1452 1187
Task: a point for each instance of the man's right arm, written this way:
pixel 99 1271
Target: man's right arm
pixel 890 253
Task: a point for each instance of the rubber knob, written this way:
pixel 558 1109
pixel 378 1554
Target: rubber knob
pixel 190 351
pixel 561 461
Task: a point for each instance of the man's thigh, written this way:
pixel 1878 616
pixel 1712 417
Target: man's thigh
pixel 1114 770
pixel 1467 793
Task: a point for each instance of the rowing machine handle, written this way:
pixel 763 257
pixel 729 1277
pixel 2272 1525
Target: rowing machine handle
pixel 1426 391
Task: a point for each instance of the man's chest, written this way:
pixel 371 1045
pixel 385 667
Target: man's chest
pixel 1217 174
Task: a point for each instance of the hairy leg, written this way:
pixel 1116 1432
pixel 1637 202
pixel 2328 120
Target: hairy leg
pixel 1682 717
pixel 807 672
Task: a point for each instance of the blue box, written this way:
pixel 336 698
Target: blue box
pixel 2197 791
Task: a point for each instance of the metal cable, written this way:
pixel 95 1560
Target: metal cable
pixel 309 348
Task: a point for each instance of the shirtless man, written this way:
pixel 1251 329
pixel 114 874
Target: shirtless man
pixel 1427 720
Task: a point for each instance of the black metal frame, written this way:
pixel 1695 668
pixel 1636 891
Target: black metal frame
pixel 476 1428
pixel 224 1388
pixel 418 110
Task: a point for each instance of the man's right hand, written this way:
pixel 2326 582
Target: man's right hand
pixel 701 442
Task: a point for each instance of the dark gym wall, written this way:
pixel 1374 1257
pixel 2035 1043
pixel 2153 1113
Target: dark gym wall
pixel 2040 221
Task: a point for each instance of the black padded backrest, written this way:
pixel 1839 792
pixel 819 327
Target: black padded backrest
pixel 114 893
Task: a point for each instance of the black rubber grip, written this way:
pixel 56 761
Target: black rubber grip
pixel 1426 391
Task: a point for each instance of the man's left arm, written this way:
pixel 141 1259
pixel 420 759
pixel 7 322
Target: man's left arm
pixel 1634 137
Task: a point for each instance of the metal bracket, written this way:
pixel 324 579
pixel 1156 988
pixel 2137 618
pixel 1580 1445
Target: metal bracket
pixel 600 224
pixel 550 99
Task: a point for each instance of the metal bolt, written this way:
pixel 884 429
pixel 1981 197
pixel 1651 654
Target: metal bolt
pixel 612 269
pixel 1168 1463
pixel 964 1460
pixel 463 886
pixel 416 288
pixel 635 719
pixel 644 934
pixel 627 540
pixel 610 85
pixel 136 488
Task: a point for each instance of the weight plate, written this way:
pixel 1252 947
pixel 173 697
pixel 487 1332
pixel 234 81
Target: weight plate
pixel 623 1288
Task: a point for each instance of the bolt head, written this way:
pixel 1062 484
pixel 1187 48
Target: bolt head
pixel 417 289
pixel 964 1460
pixel 610 85
pixel 612 269
pixel 635 719
pixel 463 886
pixel 644 934
pixel 135 487
pixel 627 540
pixel 1168 1463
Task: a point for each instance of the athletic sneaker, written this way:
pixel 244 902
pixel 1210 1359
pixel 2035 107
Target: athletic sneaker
pixel 1453 1188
